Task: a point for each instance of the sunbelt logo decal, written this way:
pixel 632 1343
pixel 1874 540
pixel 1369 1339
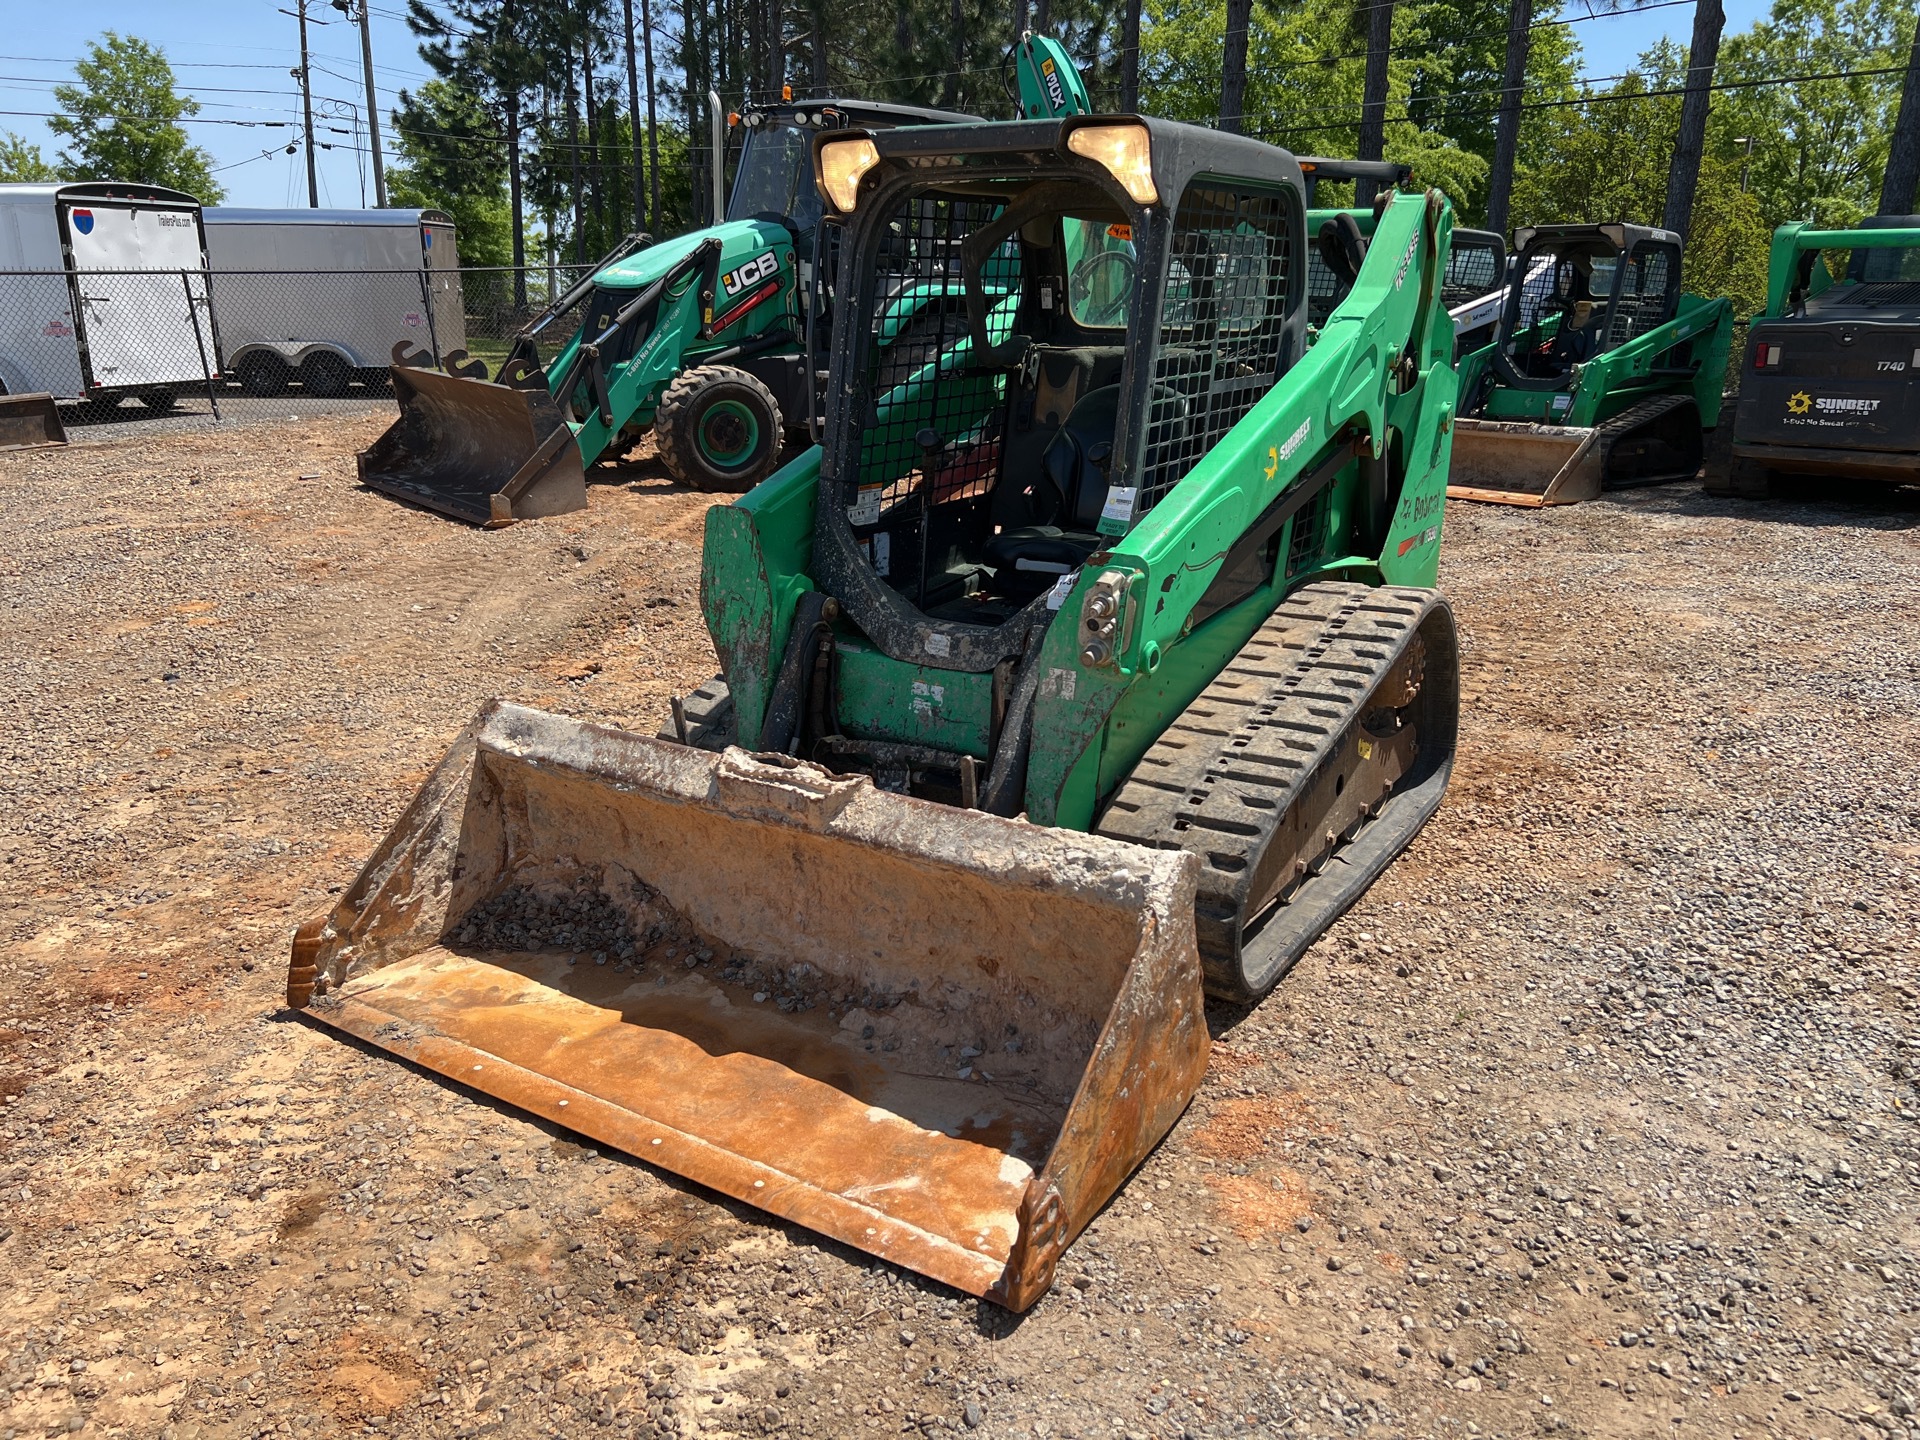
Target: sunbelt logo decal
pixel 1827 410
pixel 750 274
pixel 83 221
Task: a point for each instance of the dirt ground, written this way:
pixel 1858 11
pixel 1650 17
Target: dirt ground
pixel 1597 1117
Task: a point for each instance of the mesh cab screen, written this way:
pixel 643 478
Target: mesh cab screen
pixel 1472 271
pixel 1222 327
pixel 1644 293
pixel 930 418
pixel 1325 290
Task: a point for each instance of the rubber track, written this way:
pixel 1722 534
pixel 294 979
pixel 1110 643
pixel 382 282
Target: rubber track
pixel 1220 779
pixel 1635 417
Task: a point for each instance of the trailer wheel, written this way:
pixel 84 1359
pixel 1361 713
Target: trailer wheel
pixel 159 401
pixel 325 374
pixel 262 373
pixel 719 429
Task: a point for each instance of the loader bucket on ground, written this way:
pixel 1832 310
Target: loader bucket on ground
pixel 30 420
pixel 476 451
pixel 1516 462
pixel 938 1036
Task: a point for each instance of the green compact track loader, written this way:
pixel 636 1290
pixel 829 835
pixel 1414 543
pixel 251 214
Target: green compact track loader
pixel 1090 663
pixel 1827 384
pixel 1474 288
pixel 1601 374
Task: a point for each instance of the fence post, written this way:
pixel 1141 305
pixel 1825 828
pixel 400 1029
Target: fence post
pixel 193 312
pixel 426 300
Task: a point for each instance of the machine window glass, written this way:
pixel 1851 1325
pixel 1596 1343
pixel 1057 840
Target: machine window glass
pixel 1222 327
pixel 1882 266
pixel 1100 272
pixel 776 177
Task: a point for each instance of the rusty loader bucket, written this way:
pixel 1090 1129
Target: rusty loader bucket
pixel 480 452
pixel 1516 462
pixel 935 1035
pixel 27 421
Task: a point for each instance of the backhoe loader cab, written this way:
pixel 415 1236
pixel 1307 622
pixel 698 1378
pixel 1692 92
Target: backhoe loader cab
pixel 1601 373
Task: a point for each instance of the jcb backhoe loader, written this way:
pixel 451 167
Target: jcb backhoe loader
pixel 700 338
pixel 1601 374
pixel 1827 384
pixel 704 339
pixel 1090 661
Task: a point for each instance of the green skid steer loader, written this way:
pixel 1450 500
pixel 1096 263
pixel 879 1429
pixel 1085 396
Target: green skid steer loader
pixel 1473 290
pixel 1090 663
pixel 1601 374
pixel 1827 384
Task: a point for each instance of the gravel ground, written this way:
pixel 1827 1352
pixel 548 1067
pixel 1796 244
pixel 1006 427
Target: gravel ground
pixel 132 421
pixel 1597 1117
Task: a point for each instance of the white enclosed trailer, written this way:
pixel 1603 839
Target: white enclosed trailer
pixel 323 296
pixel 103 292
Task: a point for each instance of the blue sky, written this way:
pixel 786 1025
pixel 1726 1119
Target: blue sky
pixel 234 55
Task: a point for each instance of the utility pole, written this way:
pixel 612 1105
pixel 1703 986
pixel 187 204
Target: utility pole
pixel 345 7
pixel 306 108
pixel 633 117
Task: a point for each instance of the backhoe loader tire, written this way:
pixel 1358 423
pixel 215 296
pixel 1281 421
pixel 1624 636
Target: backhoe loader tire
pixel 719 429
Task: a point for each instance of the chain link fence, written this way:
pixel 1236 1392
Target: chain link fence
pixel 134 348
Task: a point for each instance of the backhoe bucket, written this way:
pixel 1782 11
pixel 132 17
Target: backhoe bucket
pixel 1516 462
pixel 30 420
pixel 935 1035
pixel 481 452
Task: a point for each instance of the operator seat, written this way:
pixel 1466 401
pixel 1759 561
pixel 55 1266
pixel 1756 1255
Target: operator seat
pixel 1071 493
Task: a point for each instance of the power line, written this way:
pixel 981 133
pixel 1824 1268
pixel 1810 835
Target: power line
pixel 1608 99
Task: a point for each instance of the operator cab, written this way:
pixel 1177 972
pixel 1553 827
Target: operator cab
pixel 1587 289
pixel 773 179
pixel 1041 358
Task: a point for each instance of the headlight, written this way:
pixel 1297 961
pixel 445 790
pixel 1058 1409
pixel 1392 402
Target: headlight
pixel 842 163
pixel 1125 150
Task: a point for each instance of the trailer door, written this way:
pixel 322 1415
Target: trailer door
pixel 442 265
pixel 135 315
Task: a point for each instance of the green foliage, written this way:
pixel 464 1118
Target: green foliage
pixel 1310 65
pixel 122 121
pixel 439 166
pixel 1727 246
pixel 20 161
pixel 1819 146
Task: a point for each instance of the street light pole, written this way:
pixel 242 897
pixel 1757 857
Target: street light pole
pixel 1746 160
